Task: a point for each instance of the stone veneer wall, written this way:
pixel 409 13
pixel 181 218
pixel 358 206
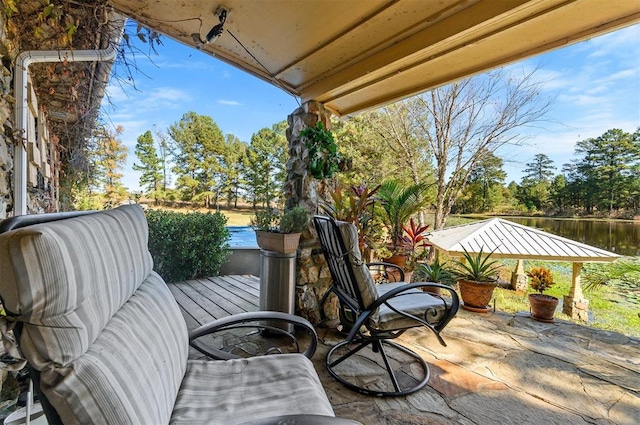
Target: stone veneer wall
pixel 313 278
pixel 42 193
pixel 6 123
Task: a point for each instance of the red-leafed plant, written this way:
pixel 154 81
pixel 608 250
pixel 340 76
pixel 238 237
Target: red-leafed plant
pixel 414 241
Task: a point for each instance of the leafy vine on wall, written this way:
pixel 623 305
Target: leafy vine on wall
pixel 324 158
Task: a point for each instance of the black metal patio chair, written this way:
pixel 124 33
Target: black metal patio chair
pixel 368 361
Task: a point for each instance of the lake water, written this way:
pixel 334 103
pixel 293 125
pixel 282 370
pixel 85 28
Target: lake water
pixel 621 237
pixel 242 236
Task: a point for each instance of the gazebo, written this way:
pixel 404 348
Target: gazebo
pixel 514 241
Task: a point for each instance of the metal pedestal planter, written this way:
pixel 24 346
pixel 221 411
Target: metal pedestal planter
pixel 277 282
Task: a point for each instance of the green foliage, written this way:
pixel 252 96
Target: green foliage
pixel 294 220
pixel 108 156
pixel 324 157
pixel 484 190
pixel 265 220
pixel 151 167
pixel 266 160
pixel 399 203
pixel 479 268
pixel 187 246
pixel 356 208
pixel 197 149
pixel 604 177
pixel 541 279
pixel 623 274
pixel 435 272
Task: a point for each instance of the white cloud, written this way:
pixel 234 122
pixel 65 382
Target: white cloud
pixel 615 43
pixel 228 102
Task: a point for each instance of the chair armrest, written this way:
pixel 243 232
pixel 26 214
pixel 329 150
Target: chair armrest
pixel 302 420
pixel 450 311
pixel 387 266
pixel 262 320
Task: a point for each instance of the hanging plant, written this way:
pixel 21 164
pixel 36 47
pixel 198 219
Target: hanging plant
pixel 324 158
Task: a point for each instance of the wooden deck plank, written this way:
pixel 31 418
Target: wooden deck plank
pixel 249 284
pixel 204 303
pixel 248 301
pixel 204 300
pixel 193 313
pixel 223 297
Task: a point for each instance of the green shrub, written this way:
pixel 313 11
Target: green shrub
pixel 187 246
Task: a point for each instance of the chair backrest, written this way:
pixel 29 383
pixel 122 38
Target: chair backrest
pixel 100 327
pixel 353 283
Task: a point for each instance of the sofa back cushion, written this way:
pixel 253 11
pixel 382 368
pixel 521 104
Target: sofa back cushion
pixel 100 326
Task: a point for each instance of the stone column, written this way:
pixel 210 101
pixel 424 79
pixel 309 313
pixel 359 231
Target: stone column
pixel 519 277
pixel 574 304
pixel 313 277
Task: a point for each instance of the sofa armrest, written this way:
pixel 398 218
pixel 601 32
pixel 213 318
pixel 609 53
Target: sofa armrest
pixel 263 323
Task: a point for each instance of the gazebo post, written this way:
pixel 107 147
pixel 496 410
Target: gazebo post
pixel 574 304
pixel 519 277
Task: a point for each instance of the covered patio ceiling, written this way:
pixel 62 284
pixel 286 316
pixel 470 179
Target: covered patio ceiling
pixel 360 54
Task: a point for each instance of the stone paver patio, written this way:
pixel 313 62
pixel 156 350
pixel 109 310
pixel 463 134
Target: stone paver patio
pixel 504 369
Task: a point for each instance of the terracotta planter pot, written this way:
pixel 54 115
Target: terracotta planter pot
pixel 543 307
pixel 284 243
pixel 476 295
pixel 435 291
pixel 397 259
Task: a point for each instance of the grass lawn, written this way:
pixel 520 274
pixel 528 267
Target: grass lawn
pixel 608 308
pixel 236 217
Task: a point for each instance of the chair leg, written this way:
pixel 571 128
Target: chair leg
pixel 375 383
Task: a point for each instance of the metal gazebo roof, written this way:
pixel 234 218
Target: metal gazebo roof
pixel 512 240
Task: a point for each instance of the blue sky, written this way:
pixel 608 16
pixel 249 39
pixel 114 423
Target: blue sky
pixel 595 84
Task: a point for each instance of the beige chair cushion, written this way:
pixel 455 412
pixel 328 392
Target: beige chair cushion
pixel 363 277
pixel 414 301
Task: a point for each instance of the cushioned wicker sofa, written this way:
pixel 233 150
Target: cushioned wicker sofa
pixel 107 343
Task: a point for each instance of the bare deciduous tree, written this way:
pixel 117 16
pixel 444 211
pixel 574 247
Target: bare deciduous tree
pixel 469 119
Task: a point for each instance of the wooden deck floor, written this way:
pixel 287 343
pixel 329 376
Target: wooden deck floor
pixel 204 300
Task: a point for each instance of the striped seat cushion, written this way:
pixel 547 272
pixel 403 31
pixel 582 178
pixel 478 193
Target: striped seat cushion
pixel 249 389
pixel 132 373
pixel 101 327
pixel 66 279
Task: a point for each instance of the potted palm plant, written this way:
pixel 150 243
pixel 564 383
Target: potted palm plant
pixel 399 203
pixel 280 233
pixel 543 307
pixel 477 278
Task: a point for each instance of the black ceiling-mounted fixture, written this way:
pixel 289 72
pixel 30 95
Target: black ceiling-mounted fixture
pixel 215 32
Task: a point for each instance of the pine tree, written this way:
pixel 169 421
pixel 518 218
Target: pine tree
pixel 197 148
pixel 151 167
pixel 540 169
pixel 266 170
pixel 108 155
